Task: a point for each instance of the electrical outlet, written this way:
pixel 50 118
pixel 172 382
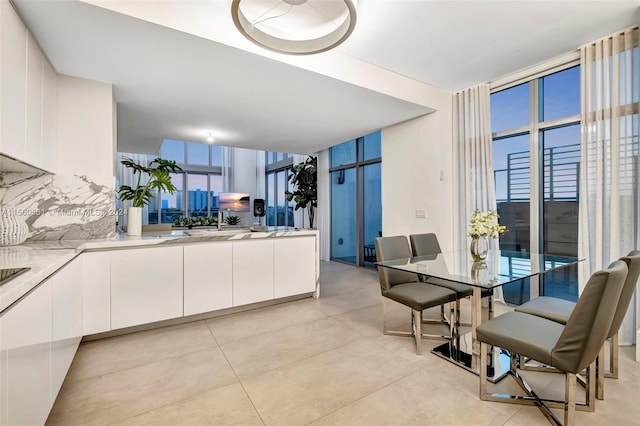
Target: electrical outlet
pixel 421 213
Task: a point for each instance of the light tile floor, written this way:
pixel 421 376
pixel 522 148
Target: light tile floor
pixel 320 362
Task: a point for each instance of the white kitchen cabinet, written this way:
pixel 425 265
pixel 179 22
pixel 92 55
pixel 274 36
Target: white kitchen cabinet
pixel 13 80
pixel 35 59
pixel 208 277
pixel 49 116
pixel 26 337
pixel 252 271
pixel 294 266
pixel 96 285
pixel 146 285
pixel 67 307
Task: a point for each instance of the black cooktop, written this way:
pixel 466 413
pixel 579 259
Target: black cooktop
pixel 6 274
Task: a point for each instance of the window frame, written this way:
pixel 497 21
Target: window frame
pixel 535 130
pixel 273 168
pixel 359 166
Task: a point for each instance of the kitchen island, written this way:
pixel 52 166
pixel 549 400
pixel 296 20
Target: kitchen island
pixel 97 288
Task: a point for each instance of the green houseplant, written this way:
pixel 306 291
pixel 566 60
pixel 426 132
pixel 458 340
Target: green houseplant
pixel 158 179
pixel 232 220
pixel 304 177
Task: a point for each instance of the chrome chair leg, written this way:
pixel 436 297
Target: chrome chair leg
pixel 613 358
pixel 416 327
pixel 483 371
pixel 384 316
pixel 600 361
pixel 569 404
pixel 590 388
pixel 417 323
pixel 570 399
pixel 490 303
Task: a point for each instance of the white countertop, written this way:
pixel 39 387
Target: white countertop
pixel 46 257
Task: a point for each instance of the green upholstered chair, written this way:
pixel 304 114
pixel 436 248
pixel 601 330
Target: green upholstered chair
pixel 570 348
pixel 559 310
pixel 406 289
pixel 425 244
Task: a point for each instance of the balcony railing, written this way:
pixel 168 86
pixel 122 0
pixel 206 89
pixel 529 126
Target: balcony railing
pixel 561 174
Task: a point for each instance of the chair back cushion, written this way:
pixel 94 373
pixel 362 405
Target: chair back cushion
pixel 423 244
pixel 591 319
pixel 633 262
pixel 391 248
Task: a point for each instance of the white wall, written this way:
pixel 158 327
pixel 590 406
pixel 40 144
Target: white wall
pixel 414 153
pixel 243 179
pixel 85 129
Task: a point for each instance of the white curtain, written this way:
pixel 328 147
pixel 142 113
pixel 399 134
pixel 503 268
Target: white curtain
pixel 473 160
pixel 125 177
pixel 323 212
pixel 609 172
pixel 227 168
pixel 260 175
pixel 473 163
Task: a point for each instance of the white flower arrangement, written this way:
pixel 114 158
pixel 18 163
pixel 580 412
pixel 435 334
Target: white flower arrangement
pixel 485 224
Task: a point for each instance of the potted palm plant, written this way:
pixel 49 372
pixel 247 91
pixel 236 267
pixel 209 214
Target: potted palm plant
pixel 304 177
pixel 158 179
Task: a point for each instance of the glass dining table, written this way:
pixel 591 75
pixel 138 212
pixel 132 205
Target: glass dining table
pixel 498 269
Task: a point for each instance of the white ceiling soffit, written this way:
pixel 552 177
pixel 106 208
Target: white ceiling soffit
pixel 448 44
pixel 169 84
pixel 457 44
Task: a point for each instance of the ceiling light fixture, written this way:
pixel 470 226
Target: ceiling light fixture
pixel 296 27
pixel 210 137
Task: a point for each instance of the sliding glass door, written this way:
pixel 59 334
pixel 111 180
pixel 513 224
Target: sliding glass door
pixel 356 201
pixel 343 215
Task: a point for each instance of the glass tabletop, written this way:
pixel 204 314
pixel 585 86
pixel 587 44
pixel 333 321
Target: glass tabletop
pixel 501 267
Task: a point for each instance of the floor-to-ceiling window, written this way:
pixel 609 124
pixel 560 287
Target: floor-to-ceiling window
pixel 278 211
pixel 536 156
pixel 198 186
pixel 356 202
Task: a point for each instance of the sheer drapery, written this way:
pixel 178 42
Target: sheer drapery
pixel 125 177
pixel 473 160
pixel 609 201
pixel 323 212
pixel 261 181
pixel 227 168
pixel 473 163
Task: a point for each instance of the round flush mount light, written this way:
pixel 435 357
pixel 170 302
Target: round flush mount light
pixel 296 27
pixel 210 138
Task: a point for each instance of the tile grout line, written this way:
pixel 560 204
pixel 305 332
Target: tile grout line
pixel 303 359
pixel 198 394
pixel 146 363
pixel 363 396
pixel 238 379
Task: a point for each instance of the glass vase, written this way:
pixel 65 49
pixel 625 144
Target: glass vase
pixel 479 248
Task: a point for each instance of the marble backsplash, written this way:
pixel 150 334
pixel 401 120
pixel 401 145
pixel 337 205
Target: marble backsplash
pixel 57 207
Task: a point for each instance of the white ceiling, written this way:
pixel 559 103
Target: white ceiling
pixel 172 84
pixel 457 44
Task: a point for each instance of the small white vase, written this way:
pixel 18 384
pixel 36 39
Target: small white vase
pixel 13 229
pixel 134 221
